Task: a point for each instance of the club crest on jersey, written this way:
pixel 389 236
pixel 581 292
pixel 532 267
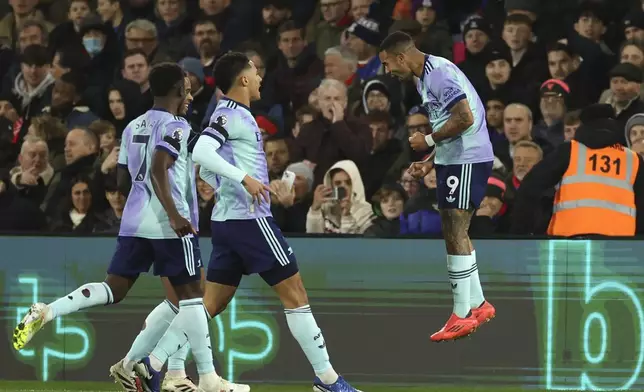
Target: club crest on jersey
pixel 221 120
pixel 177 134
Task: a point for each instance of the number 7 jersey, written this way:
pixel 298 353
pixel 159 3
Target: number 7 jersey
pixel 144 215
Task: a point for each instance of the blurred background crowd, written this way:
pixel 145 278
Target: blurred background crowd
pixel 75 72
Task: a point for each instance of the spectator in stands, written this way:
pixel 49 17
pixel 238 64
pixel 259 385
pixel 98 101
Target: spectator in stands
pixel 517 127
pixel 67 59
pixel 33 32
pixel 81 158
pixel 201 92
pixel 363 38
pixel 388 204
pixel 207 41
pixel 591 23
pixel 33 173
pixel 219 11
pixel 634 25
pixel 498 72
pixel 106 134
pixel 290 208
pixel 485 220
pixel 110 220
pixel 579 75
pixel 360 8
pixel 553 106
pixel 205 202
pixel 571 123
pixel 67 103
pixel 421 216
pixel 142 34
pixel 417 120
pixel 114 16
pixel 526 155
pixel 385 151
pixel 12 22
pixel 632 52
pixel 18 214
pixel 331 137
pixel 625 87
pixel 476 34
pixel 411 185
pixel 634 131
pixel 298 71
pixel 33 85
pixel 274 14
pixel 136 68
pixel 348 212
pixel 336 18
pixel 173 25
pixel 529 68
pixel 305 115
pixel 53 132
pixel 76 214
pixel 68 33
pixel 494 108
pixel 341 63
pixel 125 103
pixel 277 156
pixel 435 37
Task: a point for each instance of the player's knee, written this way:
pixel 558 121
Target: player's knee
pixel 119 286
pixel 214 306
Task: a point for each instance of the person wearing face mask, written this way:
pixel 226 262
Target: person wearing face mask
pixel 600 183
pixel 388 204
pixel 100 44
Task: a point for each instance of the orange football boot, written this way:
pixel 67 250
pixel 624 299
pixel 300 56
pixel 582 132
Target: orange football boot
pixel 484 313
pixel 456 328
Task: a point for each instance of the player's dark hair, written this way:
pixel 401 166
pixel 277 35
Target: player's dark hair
pixel 396 42
pixel 166 79
pixel 228 68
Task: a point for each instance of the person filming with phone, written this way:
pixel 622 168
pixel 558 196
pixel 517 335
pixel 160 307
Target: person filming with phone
pixel 339 204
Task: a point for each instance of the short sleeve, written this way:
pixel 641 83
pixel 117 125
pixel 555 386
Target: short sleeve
pixel 220 125
pixel 122 159
pixel 174 137
pixel 446 86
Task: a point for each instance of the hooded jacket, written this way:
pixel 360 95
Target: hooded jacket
pixel 132 102
pixel 328 219
pixel 636 119
pixel 547 173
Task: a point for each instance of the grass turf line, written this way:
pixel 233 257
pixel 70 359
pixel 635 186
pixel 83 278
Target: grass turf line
pixel 58 386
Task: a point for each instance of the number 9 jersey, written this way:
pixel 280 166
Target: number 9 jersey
pixel 144 215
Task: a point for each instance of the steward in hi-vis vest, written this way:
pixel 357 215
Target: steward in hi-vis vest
pixel 599 184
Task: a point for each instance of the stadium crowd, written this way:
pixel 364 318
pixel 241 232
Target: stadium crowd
pixel 74 73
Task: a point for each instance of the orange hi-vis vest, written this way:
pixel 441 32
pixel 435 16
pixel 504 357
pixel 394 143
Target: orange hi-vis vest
pixel 595 195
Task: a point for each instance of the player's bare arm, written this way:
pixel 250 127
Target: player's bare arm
pixel 460 119
pixel 161 162
pixel 123 180
pixel 456 224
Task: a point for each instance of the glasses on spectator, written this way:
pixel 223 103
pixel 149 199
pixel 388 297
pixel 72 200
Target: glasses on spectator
pixel 332 4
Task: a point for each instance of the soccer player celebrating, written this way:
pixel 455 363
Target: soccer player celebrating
pixel 155 229
pixel 463 157
pixel 245 238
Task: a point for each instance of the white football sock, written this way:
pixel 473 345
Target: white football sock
pixel 459 271
pixel 86 296
pixel 476 291
pixel 155 326
pixel 307 333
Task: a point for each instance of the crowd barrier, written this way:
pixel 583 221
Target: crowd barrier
pixel 570 314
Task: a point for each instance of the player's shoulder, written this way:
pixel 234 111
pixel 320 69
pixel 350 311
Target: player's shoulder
pixel 178 128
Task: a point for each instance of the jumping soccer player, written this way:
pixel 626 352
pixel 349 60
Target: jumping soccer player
pixel 463 157
pixel 245 238
pixel 155 228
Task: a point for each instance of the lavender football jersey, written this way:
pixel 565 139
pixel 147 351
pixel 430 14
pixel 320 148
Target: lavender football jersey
pixel 144 216
pixel 441 86
pixel 235 128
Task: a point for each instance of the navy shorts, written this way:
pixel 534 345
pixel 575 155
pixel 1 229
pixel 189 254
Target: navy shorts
pixel 253 246
pixel 178 259
pixel 463 186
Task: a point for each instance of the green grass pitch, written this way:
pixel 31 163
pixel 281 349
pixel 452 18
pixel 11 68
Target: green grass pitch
pixel 34 386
